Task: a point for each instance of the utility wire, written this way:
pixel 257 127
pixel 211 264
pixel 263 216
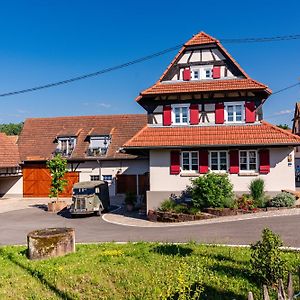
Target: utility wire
pixel 145 58
pixel 286 88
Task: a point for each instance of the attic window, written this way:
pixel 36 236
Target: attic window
pixel 65 145
pixel 98 145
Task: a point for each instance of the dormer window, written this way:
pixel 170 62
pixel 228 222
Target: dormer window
pixel 98 145
pixel 65 145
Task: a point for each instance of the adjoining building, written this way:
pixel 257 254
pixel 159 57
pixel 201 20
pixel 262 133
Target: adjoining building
pixel 205 114
pixel 90 144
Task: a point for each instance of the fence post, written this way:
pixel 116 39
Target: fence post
pixel 265 293
pixel 281 293
pixel 290 289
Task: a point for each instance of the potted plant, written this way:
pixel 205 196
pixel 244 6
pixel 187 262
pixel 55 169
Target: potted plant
pixel 130 200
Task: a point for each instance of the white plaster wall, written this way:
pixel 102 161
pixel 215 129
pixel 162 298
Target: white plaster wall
pixel 128 167
pixel 11 186
pixel 281 175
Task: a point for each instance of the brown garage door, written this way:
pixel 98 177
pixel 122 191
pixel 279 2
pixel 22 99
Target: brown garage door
pixel 127 183
pixel 37 180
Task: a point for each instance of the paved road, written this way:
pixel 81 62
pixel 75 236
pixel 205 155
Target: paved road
pixel 15 225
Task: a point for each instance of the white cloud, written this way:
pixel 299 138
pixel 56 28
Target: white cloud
pixel 283 112
pixel 105 105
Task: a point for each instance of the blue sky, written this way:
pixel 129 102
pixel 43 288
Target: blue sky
pixel 44 41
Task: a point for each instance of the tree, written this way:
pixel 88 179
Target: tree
pixel 283 126
pixel 58 168
pixel 11 128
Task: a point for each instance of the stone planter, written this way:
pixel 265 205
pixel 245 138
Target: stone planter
pixel 170 217
pixel 221 212
pixel 50 242
pixel 56 206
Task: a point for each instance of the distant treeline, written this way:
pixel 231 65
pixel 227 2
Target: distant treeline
pixel 12 128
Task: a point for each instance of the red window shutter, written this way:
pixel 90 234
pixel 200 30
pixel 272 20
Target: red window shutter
pixel 203 161
pixel 167 115
pixel 187 74
pixel 216 72
pixel 194 114
pixel 250 112
pixel 264 161
pixel 219 114
pixel 234 162
pixel 175 162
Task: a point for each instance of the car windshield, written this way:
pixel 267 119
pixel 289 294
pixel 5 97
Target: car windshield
pixel 83 191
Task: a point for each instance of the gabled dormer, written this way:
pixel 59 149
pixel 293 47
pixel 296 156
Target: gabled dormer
pixel 65 145
pixel 203 85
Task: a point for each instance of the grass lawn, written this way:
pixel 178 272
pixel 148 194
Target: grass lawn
pixel 132 271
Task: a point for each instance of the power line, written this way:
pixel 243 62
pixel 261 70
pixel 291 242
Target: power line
pixel 286 88
pixel 145 58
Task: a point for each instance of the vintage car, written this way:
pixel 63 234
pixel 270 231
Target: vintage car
pixel 90 197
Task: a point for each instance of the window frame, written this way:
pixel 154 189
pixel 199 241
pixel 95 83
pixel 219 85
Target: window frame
pixel 219 163
pixel 67 140
pixel 180 106
pixel 190 170
pixel 93 176
pixel 248 161
pixel 234 104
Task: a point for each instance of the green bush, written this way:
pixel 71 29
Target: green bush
pixel 130 198
pixel 212 190
pixel 266 261
pixel 283 199
pixel 245 202
pixel 167 205
pixel 257 191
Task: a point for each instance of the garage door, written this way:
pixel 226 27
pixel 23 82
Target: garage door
pixel 37 181
pixel 128 183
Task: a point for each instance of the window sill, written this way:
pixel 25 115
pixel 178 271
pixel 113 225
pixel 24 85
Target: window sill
pixel 189 174
pixel 249 174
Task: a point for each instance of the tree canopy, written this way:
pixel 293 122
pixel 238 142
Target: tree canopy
pixel 11 128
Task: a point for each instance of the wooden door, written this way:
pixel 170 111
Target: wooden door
pixel 126 184
pixel 37 181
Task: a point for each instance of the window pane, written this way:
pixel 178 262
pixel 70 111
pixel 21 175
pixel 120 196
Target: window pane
pixel 184 114
pixel 243 166
pixel 195 167
pixel 214 167
pixel 185 155
pixel 185 167
pixel 252 166
pixel 196 74
pixel 238 109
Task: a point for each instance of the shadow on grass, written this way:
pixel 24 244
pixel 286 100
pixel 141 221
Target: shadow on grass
pixel 233 272
pixel 224 258
pixel 35 274
pixel 210 293
pixel 172 249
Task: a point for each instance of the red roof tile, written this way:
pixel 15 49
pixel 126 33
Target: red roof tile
pixel 204 86
pixel 263 134
pixel 36 141
pixel 9 154
pixel 201 38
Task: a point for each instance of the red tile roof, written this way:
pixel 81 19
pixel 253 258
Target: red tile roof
pixel 36 142
pixel 204 86
pixel 263 134
pixel 9 154
pixel 201 38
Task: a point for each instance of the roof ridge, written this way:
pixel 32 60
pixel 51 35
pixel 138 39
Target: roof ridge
pixel 85 116
pixel 280 129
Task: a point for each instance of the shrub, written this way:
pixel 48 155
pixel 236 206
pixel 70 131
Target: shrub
pixel 257 191
pixel 212 190
pixel 167 205
pixel 283 199
pixel 245 202
pixel 266 261
pixel 130 198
